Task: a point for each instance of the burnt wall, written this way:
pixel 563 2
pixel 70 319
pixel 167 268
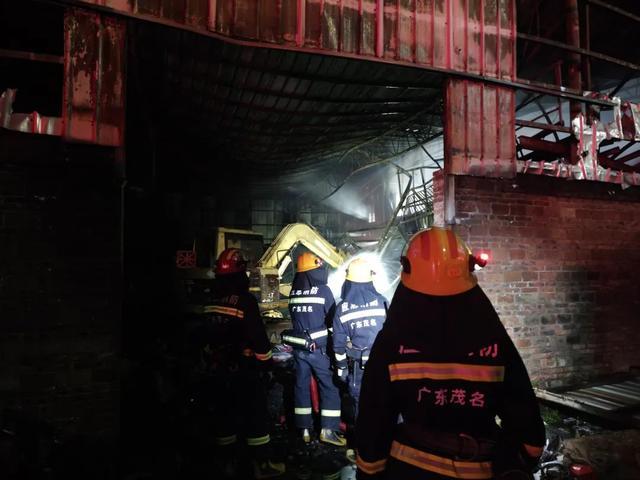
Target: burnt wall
pixel 565 269
pixel 60 305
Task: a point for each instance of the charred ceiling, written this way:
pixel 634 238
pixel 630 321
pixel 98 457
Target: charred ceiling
pixel 265 113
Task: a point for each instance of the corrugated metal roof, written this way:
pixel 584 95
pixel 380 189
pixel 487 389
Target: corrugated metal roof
pixel 266 111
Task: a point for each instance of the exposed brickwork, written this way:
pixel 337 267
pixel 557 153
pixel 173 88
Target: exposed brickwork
pixel 59 283
pixel 565 269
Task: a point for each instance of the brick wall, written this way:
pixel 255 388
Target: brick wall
pixel 565 269
pixel 59 284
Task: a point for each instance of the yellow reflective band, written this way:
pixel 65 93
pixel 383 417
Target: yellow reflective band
pixel 441 465
pixel 302 410
pixel 371 468
pixel 446 371
pixel 234 312
pixel 256 441
pixel 226 440
pixel 330 413
pixel 263 357
pixel 341 356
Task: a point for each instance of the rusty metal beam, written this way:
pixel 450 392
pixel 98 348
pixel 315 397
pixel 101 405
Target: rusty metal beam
pixel 582 51
pixel 561 149
pixel 35 57
pixel 520 84
pixel 543 126
pixel 615 9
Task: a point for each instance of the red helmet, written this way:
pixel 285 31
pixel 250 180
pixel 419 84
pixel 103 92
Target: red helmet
pixel 231 260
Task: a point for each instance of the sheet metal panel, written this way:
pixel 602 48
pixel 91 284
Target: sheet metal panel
pixel 475 36
pixel 93 97
pixel 479 129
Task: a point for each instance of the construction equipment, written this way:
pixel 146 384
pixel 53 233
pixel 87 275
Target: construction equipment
pixel 195 267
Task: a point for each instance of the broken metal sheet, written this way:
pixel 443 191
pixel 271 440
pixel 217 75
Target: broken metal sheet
pixel 589 139
pixel 479 129
pixel 477 36
pixel 93 105
pixel 618 401
pixel 26 122
pixel 630 121
pixel 563 170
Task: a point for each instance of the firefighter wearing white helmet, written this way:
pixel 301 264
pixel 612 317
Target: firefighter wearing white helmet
pixel 445 365
pixel 358 319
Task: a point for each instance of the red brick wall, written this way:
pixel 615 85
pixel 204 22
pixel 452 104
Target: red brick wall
pixel 60 285
pixel 565 269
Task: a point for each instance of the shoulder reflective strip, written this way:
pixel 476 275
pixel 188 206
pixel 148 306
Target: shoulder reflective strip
pixel 341 356
pixel 446 371
pixel 255 441
pixel 302 410
pixel 372 312
pixel 234 312
pixel 296 340
pixel 226 440
pixel 441 465
pixel 264 356
pixel 371 468
pixel 297 300
pixel 322 333
pixel 330 413
pixel 532 450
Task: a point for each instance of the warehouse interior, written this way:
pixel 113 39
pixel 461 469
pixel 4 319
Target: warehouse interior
pixel 132 131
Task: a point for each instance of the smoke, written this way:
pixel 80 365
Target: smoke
pixel 349 200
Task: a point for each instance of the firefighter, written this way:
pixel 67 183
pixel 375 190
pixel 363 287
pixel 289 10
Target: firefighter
pixel 445 393
pixel 236 352
pixel 358 319
pixel 311 306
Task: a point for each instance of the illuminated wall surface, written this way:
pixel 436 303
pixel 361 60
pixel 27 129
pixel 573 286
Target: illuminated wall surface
pixel 563 275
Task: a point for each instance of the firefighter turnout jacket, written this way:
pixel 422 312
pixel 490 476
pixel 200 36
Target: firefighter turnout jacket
pixel 235 351
pixel 358 319
pixel 236 326
pixel 311 305
pixel 439 373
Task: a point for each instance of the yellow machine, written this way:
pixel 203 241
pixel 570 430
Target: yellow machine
pixel 266 269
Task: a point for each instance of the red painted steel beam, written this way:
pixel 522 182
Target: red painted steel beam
pixel 543 126
pixel 574 64
pixel 219 21
pixel 561 149
pixel 93 96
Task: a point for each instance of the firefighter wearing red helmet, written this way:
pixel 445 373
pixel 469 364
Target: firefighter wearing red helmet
pixel 236 349
pixel 445 393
